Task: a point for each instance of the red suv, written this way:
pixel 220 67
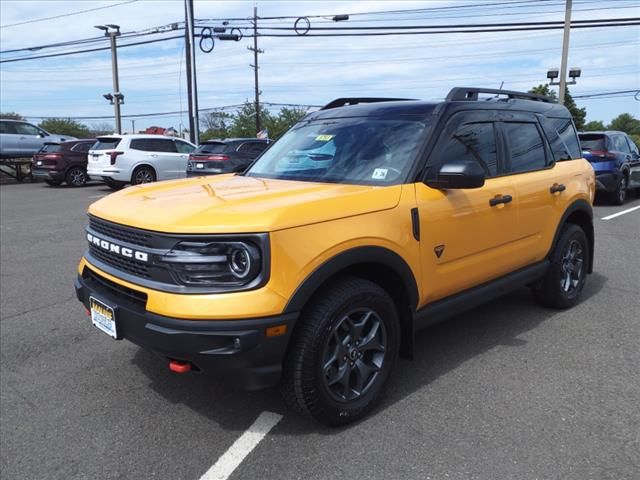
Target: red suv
pixel 63 162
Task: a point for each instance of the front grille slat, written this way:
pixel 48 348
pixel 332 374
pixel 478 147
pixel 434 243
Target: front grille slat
pixel 122 233
pixel 128 265
pixel 139 299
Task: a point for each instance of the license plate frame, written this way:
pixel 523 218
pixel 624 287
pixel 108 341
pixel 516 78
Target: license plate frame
pixel 199 165
pixel 103 317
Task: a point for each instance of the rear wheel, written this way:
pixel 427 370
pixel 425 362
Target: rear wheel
pixel 53 183
pixel 563 282
pixel 619 195
pixel 143 174
pixel 342 352
pixel 76 177
pixel 113 184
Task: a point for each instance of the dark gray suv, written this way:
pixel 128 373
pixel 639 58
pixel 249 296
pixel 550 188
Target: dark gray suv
pixel 224 156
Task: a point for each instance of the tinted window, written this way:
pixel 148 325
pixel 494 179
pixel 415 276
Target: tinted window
pixel 619 144
pixel 184 147
pixel 526 146
pixel 51 147
pixel 211 147
pixel 472 141
pixel 561 135
pixel 26 129
pixel 105 143
pixel 81 147
pixel 252 147
pixel 592 141
pixel 153 145
pixel 632 146
pixel 7 127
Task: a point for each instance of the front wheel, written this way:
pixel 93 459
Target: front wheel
pixel 563 282
pixel 342 352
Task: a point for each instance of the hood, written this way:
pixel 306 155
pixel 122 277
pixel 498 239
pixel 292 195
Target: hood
pixel 238 204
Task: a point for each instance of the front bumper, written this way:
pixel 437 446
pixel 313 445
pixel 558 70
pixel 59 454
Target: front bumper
pixel 607 181
pixel 238 350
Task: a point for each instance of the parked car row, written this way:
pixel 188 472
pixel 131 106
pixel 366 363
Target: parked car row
pixel 119 160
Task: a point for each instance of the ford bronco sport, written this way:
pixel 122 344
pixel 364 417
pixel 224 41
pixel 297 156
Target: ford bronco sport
pixel 368 220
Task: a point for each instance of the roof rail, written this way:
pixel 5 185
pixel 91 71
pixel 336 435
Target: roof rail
pixel 471 94
pixel 341 102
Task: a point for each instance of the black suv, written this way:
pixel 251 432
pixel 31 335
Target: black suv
pixel 225 156
pixel 615 159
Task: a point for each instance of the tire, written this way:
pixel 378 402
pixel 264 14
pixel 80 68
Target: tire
pixel 53 183
pixel 76 177
pixel 143 174
pixel 347 310
pixel 113 184
pixel 562 284
pixel 619 195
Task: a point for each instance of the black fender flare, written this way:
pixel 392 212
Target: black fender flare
pixel 577 206
pixel 350 258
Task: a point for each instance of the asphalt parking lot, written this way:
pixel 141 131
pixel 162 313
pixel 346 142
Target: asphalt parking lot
pixel 509 390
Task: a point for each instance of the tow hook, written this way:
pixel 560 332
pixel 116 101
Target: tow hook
pixel 179 367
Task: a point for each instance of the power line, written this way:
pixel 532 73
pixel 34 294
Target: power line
pixel 606 94
pixel 66 14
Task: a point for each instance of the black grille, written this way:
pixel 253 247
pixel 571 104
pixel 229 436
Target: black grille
pixel 120 291
pixel 128 265
pixel 120 232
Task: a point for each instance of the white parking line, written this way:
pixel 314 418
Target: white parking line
pixel 628 210
pixel 242 447
pixel 97 196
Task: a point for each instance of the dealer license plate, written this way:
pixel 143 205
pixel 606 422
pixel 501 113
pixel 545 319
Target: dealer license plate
pixel 103 316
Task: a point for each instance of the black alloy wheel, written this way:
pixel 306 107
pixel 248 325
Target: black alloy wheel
pixel 342 352
pixel 142 175
pixel 76 177
pixel 619 195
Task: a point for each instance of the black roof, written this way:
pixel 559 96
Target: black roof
pixel 459 98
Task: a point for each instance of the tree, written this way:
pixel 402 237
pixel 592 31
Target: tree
pixel 287 118
pixel 594 126
pixel 579 114
pixel 101 128
pixel 11 116
pixel 215 125
pixel 625 122
pixel 244 121
pixel 65 126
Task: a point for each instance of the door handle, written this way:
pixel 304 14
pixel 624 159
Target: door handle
pixel 154 155
pixel 500 199
pixel 557 187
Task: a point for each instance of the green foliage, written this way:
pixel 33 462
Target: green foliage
pixel 579 114
pixel 594 126
pixel 65 126
pixel 625 122
pixel 242 124
pixel 11 116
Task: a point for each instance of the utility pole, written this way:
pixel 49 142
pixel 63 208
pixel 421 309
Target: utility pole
pixel 117 98
pixel 192 87
pixel 133 126
pixel 565 52
pixel 255 67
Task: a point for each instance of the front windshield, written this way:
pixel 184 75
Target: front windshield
pixel 370 151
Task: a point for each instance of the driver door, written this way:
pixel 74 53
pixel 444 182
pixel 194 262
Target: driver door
pixel 467 237
pixel 29 139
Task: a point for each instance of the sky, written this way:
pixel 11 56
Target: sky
pixel 303 69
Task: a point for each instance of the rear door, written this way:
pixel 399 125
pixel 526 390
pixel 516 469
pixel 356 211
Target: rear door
pixel 30 139
pixel 466 238
pixel 8 138
pixel 183 150
pixel 160 153
pixel 634 171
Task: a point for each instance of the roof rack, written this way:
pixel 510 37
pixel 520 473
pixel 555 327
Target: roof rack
pixel 471 94
pixel 341 102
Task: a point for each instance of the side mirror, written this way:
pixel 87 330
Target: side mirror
pixel 41 135
pixel 458 174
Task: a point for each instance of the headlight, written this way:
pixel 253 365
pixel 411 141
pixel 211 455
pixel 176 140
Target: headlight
pixel 217 263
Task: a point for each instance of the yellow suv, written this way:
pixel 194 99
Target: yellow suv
pixel 368 220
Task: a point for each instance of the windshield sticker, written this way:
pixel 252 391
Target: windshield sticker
pixel 324 138
pixel 379 174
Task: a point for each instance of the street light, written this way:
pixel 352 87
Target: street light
pixel 116 98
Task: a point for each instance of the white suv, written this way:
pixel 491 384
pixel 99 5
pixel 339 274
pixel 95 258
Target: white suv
pixel 135 159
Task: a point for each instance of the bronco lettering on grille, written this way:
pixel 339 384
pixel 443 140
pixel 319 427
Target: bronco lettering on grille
pixel 117 249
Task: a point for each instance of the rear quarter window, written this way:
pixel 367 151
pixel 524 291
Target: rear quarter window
pixel 562 137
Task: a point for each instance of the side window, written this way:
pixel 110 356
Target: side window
pixel 632 146
pixel 471 141
pixel 26 129
pixel 7 127
pixel 153 145
pixel 244 148
pixel 526 147
pixel 81 147
pixel 257 148
pixel 562 137
pixel 184 147
pixel 141 144
pixel 620 144
pixel 166 146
